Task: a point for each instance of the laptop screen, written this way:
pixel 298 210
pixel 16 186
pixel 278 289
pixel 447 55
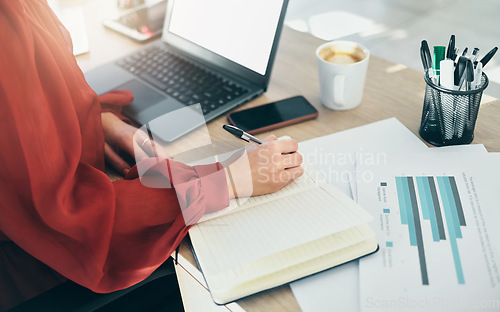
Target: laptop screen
pixel 239 30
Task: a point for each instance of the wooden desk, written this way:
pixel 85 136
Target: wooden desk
pixel 390 90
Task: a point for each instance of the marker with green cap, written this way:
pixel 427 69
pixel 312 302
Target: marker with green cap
pixel 439 52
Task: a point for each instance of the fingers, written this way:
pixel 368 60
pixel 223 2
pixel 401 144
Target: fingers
pixel 283 154
pixel 144 147
pixel 139 153
pixel 269 138
pixel 160 151
pixel 281 162
pixel 292 173
pixel 287 176
pixel 283 146
pixel 142 143
pixel 153 149
pixel 287 146
pixel 127 138
pixel 115 160
pixel 292 160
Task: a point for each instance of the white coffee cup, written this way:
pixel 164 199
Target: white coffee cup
pixel 342 77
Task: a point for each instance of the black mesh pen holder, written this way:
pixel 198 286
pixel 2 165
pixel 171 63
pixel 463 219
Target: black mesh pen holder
pixel 449 117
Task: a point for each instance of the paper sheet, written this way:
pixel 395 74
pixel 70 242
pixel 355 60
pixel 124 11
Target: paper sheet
pixel 72 18
pixel 436 219
pixel 334 156
pixel 339 287
pixel 472 148
pixel 299 184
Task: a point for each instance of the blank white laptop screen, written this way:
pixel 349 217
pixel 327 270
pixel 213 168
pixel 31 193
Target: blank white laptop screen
pixel 239 30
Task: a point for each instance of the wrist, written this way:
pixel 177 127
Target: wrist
pixel 230 184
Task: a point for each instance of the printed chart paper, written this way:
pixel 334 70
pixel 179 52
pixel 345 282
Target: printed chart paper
pixel 436 218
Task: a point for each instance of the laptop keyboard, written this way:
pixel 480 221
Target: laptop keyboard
pixel 183 80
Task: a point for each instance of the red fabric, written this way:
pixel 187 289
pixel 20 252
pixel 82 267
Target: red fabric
pixel 114 101
pixel 57 205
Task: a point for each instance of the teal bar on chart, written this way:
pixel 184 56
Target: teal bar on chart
pixel 458 203
pixel 452 222
pixel 427 204
pixel 437 207
pixel 405 208
pixel 401 200
pixel 449 201
pixel 408 204
pixel 422 194
pixel 409 212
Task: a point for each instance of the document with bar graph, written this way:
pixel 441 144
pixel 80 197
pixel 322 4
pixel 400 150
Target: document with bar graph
pixel 437 222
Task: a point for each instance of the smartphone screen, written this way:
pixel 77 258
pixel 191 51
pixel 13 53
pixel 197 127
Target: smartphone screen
pixel 273 115
pixel 142 23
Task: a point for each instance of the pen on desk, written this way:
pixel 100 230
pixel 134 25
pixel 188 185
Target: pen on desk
pixel 237 132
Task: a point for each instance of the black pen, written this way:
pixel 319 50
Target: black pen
pixel 425 55
pixel 465 51
pixel 475 55
pixel 240 134
pixel 450 53
pixel 488 56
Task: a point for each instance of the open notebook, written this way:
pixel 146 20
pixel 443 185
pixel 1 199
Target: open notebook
pixel 270 240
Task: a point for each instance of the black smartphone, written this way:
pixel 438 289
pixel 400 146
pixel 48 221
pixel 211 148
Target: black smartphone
pixel 141 23
pixel 273 115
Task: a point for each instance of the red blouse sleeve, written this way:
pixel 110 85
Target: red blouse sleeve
pixel 114 101
pixel 57 203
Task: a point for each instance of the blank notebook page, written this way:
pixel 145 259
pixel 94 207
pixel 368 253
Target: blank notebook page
pixel 304 253
pixel 236 239
pixel 303 182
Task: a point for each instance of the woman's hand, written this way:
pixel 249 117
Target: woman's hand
pixel 120 136
pixel 265 169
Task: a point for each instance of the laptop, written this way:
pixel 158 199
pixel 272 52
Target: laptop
pixel 213 56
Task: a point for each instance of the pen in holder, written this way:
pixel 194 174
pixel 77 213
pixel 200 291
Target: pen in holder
pixel 449 116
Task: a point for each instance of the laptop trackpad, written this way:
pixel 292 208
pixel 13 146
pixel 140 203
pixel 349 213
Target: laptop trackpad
pixel 167 118
pixel 144 97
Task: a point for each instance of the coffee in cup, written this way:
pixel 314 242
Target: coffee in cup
pixel 342 54
pixel 342 67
